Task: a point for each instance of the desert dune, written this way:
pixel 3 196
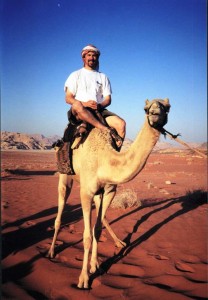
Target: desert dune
pixel 161 215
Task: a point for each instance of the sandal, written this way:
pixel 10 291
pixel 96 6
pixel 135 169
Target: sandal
pixel 117 139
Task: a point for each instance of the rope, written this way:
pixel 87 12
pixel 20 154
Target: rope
pixel 175 137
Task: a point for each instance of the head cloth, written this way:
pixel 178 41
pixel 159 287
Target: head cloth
pixel 90 48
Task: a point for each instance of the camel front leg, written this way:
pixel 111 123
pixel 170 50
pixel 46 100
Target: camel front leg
pixel 64 190
pixel 97 230
pixel 86 201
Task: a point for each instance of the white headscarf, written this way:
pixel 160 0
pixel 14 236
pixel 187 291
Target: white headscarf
pixel 90 48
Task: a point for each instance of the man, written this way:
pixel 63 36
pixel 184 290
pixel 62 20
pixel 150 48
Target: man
pixel 88 91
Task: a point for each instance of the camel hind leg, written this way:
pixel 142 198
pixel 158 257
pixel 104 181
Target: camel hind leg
pixel 64 190
pixel 102 204
pixel 118 243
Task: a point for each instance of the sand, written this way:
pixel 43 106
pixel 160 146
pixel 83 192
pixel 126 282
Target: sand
pixel 165 232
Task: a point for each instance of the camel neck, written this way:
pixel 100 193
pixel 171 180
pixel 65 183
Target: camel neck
pixel 126 165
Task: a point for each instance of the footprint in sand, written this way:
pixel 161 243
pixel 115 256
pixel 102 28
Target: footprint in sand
pixel 5 204
pixel 192 259
pixel 27 224
pixel 161 257
pixel 79 257
pixel 120 269
pixel 69 262
pixel 71 228
pixel 184 267
pixel 44 247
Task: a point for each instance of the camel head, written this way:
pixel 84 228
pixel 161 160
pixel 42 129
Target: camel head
pixel 157 112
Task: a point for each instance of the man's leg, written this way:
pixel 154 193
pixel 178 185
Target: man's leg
pixel 117 123
pixel 85 115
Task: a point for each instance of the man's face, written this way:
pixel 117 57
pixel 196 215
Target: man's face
pixel 90 60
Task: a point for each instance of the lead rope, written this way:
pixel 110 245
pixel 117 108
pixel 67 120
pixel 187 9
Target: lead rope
pixel 175 137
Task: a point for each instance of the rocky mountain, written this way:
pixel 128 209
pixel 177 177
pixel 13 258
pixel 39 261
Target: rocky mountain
pixel 24 141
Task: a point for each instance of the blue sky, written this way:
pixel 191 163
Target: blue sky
pixel 149 49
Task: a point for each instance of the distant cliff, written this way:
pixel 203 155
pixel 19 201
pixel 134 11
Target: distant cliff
pixel 24 141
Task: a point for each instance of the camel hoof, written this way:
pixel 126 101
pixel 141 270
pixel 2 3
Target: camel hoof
pixel 83 285
pixel 83 281
pixel 93 269
pixel 50 254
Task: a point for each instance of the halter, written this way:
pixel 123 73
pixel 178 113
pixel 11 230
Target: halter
pixel 164 108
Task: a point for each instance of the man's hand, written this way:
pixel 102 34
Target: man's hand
pixel 90 103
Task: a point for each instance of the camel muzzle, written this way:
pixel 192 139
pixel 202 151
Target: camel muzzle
pixel 157 113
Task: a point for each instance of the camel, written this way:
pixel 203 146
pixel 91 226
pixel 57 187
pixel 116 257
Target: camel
pixel 99 169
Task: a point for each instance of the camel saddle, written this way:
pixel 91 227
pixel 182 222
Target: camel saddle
pixel 75 134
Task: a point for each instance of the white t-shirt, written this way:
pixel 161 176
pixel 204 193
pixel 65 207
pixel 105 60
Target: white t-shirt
pixel 88 85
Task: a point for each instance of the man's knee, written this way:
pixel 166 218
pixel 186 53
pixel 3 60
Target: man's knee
pixel 122 124
pixel 118 123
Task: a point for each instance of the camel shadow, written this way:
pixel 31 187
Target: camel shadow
pixel 21 238
pixel 188 203
pixel 144 204
pixel 18 271
pixel 31 173
pixel 47 212
pixel 8 178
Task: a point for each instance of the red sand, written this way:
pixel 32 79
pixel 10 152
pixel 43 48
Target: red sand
pixel 166 256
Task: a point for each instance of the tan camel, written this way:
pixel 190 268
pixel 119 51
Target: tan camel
pixel 99 168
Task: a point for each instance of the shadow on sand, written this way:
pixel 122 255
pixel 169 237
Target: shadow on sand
pixel 189 202
pixel 20 239
pixel 30 172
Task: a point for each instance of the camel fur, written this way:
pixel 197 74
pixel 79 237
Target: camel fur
pixel 99 169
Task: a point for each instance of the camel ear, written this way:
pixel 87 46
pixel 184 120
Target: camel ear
pixel 147 105
pixel 167 105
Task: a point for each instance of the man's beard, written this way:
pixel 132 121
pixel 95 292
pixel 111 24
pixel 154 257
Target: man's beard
pixel 93 64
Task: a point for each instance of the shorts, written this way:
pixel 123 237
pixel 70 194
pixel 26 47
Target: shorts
pixel 107 113
pixel 104 112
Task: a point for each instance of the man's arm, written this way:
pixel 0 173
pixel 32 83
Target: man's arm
pixel 106 102
pixel 69 97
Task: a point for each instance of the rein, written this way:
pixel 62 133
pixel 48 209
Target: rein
pixel 167 133
pixel 175 137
